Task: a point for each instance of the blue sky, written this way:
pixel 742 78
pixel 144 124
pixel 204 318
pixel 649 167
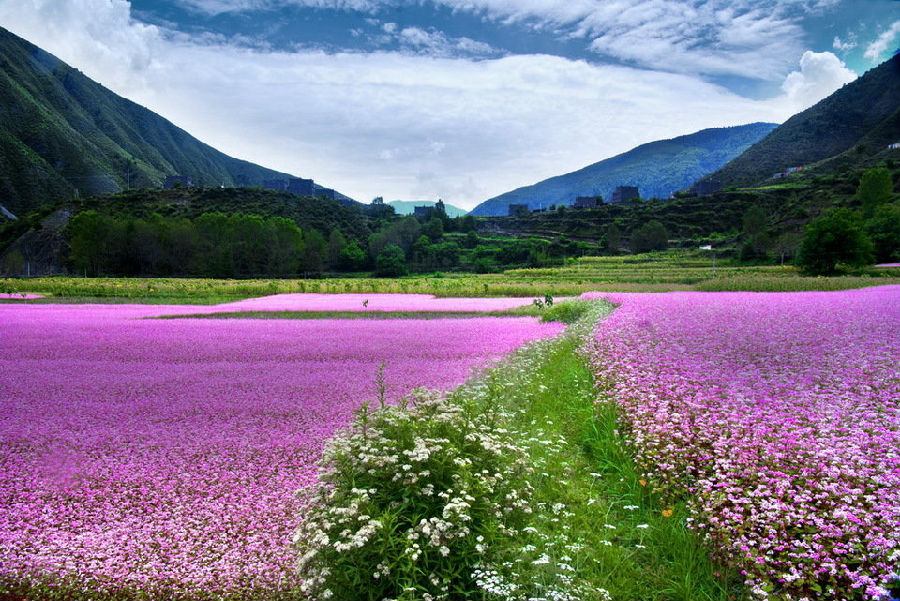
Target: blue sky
pixel 458 99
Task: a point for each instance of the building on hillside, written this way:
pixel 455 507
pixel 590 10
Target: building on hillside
pixel 704 187
pixel 894 146
pixel 624 194
pixel 516 209
pixel 294 185
pixel 178 181
pixel 303 187
pixel 587 202
pixel 276 184
pixel 421 212
pixel 786 172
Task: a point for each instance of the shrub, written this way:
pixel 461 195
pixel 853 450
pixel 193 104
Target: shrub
pixel 415 502
pixel 835 237
pixel 391 262
pixel 568 311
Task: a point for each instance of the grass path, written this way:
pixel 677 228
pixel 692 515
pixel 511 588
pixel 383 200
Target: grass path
pixel 597 516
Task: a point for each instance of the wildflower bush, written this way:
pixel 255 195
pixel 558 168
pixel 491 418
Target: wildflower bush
pixel 567 521
pixel 415 501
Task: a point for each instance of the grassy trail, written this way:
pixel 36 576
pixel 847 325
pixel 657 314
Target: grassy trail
pixel 596 508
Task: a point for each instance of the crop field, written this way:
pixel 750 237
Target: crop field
pixel 652 272
pixel 163 456
pixel 686 445
pixel 779 416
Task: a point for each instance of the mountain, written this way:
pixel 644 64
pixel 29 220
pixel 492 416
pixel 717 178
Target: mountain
pixel 658 169
pixel 64 135
pixel 405 207
pixel 858 121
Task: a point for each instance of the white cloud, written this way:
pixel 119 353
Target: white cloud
pixel 877 49
pixel 820 74
pixel 436 43
pixel 845 45
pixel 215 7
pixel 101 39
pixel 393 124
pixel 750 38
pixel 758 39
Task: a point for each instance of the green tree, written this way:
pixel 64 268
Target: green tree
pixel 391 262
pixel 756 241
pixel 883 230
pixel 336 243
pixel 613 238
pixel 85 232
pixel 446 254
pixel 285 245
pixel 875 188
pixel 466 223
pixel 835 237
pixel 650 236
pixel 352 257
pixel 434 229
pixel 316 251
pixel 421 251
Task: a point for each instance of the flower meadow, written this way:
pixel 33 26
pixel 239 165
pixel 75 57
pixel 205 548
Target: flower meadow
pixel 372 302
pixel 779 415
pixel 165 455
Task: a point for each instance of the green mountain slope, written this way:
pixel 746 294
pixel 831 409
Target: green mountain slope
pixel 658 169
pixel 857 121
pixel 405 207
pixel 62 135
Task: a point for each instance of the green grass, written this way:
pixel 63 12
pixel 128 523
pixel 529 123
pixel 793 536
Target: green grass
pixel 652 272
pixel 596 509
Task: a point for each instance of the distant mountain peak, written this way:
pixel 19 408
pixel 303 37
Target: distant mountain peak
pixel 658 169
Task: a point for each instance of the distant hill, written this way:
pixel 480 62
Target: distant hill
pixel 61 132
pixel 658 169
pixel 405 207
pixel 858 122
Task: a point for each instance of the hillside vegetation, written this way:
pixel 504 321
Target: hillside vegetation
pixel 64 135
pixel 854 126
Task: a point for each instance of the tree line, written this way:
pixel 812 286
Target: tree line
pixel 211 245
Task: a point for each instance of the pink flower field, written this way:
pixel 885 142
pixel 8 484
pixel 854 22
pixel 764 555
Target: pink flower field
pixel 371 302
pixel 164 455
pixel 780 414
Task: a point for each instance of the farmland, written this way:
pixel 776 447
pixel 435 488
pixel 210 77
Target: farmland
pixel 650 272
pixel 779 416
pixel 165 455
pixel 686 445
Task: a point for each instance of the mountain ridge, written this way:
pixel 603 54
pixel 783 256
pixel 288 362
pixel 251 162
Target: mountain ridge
pixel 64 135
pixel 657 168
pixel 861 115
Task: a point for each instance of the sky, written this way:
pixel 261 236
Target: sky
pixel 461 100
